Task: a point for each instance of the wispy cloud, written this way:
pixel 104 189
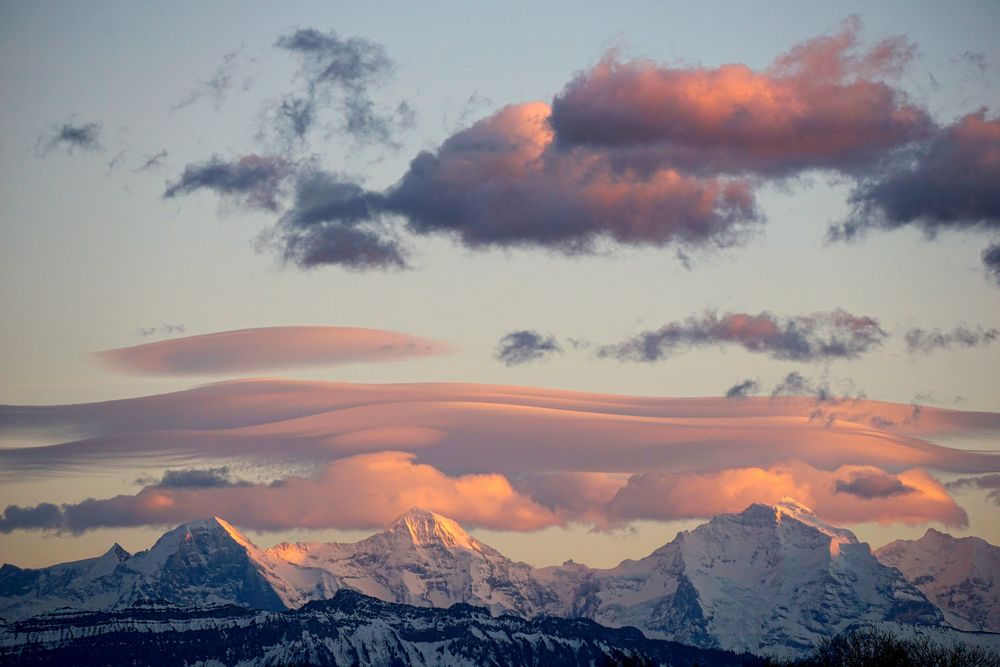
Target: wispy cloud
pixel 989 483
pixel 339 72
pixel 152 161
pixel 161 330
pixel 216 87
pixel 929 340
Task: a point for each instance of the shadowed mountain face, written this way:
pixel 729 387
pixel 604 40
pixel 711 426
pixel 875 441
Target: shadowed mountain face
pixel 348 629
pixel 960 575
pixel 768 580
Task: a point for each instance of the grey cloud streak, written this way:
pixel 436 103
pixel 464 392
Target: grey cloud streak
pixel 924 340
pixel 816 337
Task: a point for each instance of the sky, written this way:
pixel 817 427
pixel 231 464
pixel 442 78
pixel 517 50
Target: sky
pixel 578 276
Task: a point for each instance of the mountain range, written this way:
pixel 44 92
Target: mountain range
pixel 771 580
pixel 347 629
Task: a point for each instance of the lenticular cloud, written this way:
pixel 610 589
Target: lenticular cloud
pixel 537 456
pixel 268 348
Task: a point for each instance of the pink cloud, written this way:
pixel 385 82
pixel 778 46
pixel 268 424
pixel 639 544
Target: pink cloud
pixel 827 103
pixel 920 498
pixel 363 491
pixel 391 482
pixel 263 349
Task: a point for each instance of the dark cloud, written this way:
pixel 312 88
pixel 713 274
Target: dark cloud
pixel 163 329
pixel 951 181
pixel 41 516
pixel 871 485
pixel 819 336
pixel 991 260
pixel 152 161
pixel 340 72
pixel 989 483
pixel 207 478
pixel 251 180
pixel 521 347
pixel 501 183
pixel 743 389
pixel 70 137
pixel 349 247
pixel 922 340
pixel 330 221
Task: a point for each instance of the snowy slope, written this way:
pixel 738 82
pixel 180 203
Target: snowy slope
pixel 960 575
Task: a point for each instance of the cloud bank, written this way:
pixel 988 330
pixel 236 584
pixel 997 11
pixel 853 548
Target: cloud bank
pixel 256 350
pixel 391 482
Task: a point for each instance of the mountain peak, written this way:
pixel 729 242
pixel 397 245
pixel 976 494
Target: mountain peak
pixel 792 507
pixel 117 552
pixel 789 507
pixel 214 525
pixel 425 528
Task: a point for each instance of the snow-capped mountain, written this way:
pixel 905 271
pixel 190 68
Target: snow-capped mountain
pixel 349 629
pixel 960 575
pixel 769 580
pixel 424 559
